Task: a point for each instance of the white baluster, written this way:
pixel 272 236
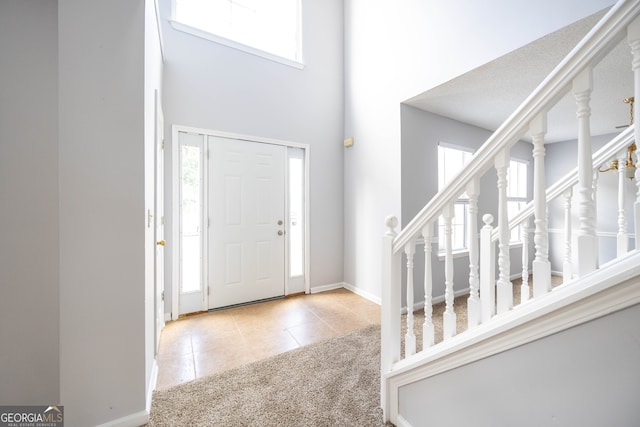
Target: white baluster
pixel 541 265
pixel 524 288
pixel 505 288
pixel 567 266
pixel 487 270
pixel 473 302
pixel 594 195
pixel 428 330
pixel 586 248
pixel 633 37
pixel 449 316
pixel 410 337
pixel 622 239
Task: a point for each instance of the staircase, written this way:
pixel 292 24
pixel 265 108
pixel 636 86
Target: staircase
pixel 590 288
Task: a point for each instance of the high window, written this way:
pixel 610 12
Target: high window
pixel 451 160
pixel 269 28
pixel 516 193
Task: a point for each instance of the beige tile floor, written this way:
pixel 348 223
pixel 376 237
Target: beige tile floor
pixel 204 344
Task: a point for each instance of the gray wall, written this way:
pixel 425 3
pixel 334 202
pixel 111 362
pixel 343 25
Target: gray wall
pixel 212 86
pixel 421 133
pixel 72 263
pixel 393 53
pixel 561 157
pixel 29 255
pixel 102 210
pixel 585 376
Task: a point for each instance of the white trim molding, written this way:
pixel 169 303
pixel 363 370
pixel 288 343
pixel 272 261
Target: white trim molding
pixel 364 294
pixel 343 285
pixel 402 422
pixel 153 382
pixel 325 288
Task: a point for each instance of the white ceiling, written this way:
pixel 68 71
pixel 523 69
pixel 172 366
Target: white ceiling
pixel 487 95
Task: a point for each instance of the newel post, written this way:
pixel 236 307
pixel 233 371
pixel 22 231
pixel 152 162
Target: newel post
pixel 390 310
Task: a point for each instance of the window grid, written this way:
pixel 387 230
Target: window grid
pixel 516 194
pixel 451 160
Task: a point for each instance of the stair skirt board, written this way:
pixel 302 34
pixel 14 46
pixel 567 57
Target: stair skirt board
pixel 595 295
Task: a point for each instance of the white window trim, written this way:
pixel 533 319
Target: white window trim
pixel 235 45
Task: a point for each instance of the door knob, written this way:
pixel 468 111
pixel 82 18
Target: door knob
pixel 161 242
pixel 280 232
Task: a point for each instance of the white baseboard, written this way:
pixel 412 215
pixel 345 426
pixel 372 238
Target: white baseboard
pixel 153 381
pixel 343 285
pixel 325 288
pixel 364 294
pixel 401 422
pixel 167 317
pixel 134 420
pixel 139 418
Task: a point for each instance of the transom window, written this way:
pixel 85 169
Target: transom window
pixel 271 26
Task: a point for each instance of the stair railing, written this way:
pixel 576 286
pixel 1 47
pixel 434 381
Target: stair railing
pixel 573 74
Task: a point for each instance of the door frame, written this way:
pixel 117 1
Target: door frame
pixel 158 223
pixel 175 201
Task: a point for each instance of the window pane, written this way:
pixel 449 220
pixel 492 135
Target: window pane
pixel 450 162
pixel 459 227
pixel 513 208
pixel 517 179
pixel 296 217
pixel 190 219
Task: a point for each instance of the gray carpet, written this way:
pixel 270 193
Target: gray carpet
pixel 333 383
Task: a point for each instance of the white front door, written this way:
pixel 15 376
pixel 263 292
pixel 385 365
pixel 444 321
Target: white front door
pixel 247 214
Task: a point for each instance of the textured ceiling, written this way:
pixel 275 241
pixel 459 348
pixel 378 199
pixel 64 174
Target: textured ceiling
pixel 487 95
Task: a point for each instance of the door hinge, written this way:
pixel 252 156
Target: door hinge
pixel 162 147
pixel 162 298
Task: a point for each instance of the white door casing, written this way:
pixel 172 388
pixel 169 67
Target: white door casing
pixel 159 222
pixel 184 303
pixel 247 212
